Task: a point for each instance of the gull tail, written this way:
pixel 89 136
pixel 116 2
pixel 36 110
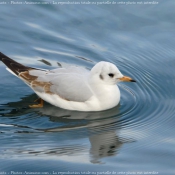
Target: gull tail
pixel 12 66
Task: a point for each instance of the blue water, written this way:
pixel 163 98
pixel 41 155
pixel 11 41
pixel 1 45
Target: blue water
pixel 135 137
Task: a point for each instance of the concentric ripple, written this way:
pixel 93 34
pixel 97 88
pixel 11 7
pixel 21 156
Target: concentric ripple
pixel 144 106
pixel 140 103
pixel 153 92
pixel 138 134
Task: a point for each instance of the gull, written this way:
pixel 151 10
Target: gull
pixel 72 87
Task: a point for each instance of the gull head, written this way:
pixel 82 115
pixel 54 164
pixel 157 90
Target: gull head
pixel 107 73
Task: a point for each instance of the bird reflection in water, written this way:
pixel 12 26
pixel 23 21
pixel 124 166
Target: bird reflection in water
pixel 101 128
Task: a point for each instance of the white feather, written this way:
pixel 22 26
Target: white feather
pixel 11 71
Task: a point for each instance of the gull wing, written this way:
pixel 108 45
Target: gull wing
pixel 69 83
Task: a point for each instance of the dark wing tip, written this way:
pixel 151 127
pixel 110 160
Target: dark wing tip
pixel 2 56
pixel 13 65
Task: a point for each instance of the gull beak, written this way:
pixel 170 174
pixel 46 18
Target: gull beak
pixel 128 79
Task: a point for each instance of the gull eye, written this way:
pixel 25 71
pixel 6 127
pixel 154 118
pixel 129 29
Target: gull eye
pixel 111 75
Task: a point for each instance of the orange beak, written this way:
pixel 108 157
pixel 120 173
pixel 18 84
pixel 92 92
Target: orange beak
pixel 128 79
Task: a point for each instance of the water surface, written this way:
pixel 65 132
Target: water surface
pixel 137 135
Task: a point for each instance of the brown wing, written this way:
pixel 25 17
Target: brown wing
pixel 19 69
pixel 13 65
pixel 23 72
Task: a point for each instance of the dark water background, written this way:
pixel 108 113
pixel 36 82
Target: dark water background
pixel 136 136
